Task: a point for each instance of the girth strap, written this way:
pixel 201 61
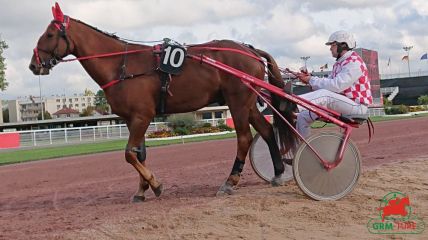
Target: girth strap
pixel 165 80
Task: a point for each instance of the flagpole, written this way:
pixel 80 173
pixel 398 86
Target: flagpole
pixel 407 49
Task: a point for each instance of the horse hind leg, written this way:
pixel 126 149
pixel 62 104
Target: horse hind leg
pixel 264 128
pixel 244 138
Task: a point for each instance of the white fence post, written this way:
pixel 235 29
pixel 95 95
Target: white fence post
pixel 65 134
pixel 50 136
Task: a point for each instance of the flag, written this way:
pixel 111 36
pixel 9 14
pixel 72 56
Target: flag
pixel 405 58
pixel 389 62
pixel 324 67
pixel 425 56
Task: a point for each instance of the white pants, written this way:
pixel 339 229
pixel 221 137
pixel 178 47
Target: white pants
pixel 331 100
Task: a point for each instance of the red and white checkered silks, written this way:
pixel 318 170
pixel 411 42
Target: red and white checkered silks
pixel 360 91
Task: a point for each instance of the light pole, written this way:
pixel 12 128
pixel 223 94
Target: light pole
pixel 407 49
pixel 305 59
pixel 41 101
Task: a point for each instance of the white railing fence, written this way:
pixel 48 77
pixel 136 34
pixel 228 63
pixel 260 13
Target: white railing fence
pixel 45 137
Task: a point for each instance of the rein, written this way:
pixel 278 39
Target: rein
pixel 62 23
pixel 231 50
pixel 102 55
pixel 113 82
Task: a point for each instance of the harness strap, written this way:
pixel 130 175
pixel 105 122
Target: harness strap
pixel 165 79
pixel 109 84
pixel 125 58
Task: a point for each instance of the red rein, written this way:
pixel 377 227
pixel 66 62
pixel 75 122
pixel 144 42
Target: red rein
pixel 113 82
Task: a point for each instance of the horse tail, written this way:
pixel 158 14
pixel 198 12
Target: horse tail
pixel 286 108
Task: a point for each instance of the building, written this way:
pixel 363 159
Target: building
pixel 66 113
pixel 75 102
pixel 212 112
pixel 24 110
pixel 28 108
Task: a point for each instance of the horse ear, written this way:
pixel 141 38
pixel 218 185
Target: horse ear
pixel 57 13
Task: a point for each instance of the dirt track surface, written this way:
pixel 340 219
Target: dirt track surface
pixel 88 197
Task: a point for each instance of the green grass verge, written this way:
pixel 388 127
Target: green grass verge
pixel 38 153
pixel 24 155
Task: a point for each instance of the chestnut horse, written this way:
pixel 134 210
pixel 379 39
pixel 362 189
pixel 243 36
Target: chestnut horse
pixel 136 98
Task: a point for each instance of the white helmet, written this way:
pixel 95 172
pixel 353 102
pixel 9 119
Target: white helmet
pixel 342 37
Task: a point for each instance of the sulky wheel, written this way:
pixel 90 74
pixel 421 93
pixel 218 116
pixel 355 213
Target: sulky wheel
pixel 261 160
pixel 311 176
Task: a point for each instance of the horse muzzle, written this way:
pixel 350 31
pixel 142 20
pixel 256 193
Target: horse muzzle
pixel 38 70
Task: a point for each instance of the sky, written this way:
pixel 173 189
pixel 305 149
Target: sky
pixel 287 29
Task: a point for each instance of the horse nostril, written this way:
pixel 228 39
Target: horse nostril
pixel 32 67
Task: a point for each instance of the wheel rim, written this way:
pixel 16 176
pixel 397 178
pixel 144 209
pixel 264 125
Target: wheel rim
pixel 261 161
pixel 317 182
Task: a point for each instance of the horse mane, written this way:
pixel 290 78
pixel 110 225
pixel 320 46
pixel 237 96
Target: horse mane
pixel 111 35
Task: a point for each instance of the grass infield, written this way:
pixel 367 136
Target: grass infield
pixel 38 153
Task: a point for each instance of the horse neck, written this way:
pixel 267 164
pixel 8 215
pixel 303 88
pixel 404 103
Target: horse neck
pixel 88 42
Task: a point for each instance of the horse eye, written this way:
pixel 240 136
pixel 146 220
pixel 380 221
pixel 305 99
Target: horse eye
pixel 50 35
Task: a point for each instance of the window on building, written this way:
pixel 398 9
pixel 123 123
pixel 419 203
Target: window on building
pixel 218 115
pixel 76 99
pixel 70 105
pixel 83 99
pixel 58 100
pixel 89 99
pixel 58 106
pixel 64 100
pixel 70 100
pixel 76 105
pixel 207 115
pixel 83 104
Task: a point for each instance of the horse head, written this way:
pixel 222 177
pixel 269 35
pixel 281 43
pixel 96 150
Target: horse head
pixel 53 45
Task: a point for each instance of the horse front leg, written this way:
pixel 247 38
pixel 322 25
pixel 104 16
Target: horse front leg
pixel 143 185
pixel 137 128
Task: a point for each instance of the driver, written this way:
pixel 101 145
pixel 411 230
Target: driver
pixel 346 90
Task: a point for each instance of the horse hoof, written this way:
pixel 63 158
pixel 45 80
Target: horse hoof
pixel 225 190
pixel 278 181
pixel 158 190
pixel 138 199
pixel 145 187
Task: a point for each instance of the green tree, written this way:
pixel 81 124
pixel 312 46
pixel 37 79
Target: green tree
pixel 3 82
pixel 423 100
pixel 46 116
pixel 101 101
pixel 87 111
pixel 88 92
pixel 181 123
